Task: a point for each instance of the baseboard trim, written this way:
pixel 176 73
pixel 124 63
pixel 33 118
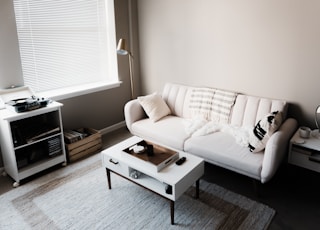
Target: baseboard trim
pixel 113 127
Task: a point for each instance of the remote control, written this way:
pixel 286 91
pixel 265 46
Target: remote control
pixel 181 161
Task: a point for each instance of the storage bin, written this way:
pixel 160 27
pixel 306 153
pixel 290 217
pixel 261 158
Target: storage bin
pixel 86 146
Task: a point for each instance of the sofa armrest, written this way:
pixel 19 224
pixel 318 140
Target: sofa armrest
pixel 133 112
pixel 277 148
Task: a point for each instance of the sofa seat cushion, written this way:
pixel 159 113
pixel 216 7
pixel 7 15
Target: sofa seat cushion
pixel 221 149
pixel 169 131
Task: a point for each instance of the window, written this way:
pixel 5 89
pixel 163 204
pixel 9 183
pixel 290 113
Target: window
pixel 66 45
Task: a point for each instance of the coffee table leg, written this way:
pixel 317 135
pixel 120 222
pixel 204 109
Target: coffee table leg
pixel 197 188
pixel 108 177
pixel 172 211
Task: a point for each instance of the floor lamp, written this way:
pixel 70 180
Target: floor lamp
pixel 122 50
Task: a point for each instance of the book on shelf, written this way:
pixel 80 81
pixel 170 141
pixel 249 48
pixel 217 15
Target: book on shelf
pixel 42 134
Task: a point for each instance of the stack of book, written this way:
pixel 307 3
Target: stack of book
pixel 54 146
pixel 72 136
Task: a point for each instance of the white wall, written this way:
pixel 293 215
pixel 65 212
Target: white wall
pixel 10 65
pixel 267 48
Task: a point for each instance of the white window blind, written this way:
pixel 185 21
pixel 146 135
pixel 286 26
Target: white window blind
pixel 66 42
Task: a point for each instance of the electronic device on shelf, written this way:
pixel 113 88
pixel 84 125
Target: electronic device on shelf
pixel 27 104
pixel 22 99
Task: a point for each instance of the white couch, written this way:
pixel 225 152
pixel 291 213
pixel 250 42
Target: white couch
pixel 219 147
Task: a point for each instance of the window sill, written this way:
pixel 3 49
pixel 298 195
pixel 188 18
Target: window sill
pixel 60 94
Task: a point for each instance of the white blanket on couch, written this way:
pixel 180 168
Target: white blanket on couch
pixel 201 127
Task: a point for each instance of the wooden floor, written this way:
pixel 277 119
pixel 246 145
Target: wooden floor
pixel 293 192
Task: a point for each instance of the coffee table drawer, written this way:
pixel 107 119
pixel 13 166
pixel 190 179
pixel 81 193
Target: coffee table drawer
pixel 115 165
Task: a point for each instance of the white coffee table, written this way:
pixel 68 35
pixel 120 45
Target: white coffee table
pixel 170 183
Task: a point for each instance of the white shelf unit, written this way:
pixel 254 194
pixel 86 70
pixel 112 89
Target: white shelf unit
pixel 22 154
pixel 305 152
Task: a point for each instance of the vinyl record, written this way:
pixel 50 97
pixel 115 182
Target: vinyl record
pixel 19 101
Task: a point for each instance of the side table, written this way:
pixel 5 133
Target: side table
pixel 305 152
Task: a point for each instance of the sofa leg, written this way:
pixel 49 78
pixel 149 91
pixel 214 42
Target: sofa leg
pixel 256 187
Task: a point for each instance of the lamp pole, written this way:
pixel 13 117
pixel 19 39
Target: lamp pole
pixel 131 75
pixel 122 50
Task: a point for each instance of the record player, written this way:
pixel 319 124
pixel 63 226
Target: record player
pixel 28 104
pixel 22 99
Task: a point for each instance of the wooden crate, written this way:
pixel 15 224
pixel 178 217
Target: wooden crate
pixel 87 146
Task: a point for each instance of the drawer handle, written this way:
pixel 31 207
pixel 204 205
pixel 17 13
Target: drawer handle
pixel 113 162
pixel 316 160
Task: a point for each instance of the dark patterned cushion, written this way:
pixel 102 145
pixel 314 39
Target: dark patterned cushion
pixel 263 130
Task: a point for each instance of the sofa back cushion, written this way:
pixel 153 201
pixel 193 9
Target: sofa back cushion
pixel 246 111
pixel 176 97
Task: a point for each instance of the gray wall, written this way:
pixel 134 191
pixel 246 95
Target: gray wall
pixel 268 48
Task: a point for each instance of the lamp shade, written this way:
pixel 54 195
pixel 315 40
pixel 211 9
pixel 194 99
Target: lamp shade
pixel 121 47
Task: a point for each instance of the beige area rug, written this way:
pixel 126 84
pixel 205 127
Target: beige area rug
pixel 77 197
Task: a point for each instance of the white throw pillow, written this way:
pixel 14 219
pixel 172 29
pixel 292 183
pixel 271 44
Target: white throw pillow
pixel 263 130
pixel 154 106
